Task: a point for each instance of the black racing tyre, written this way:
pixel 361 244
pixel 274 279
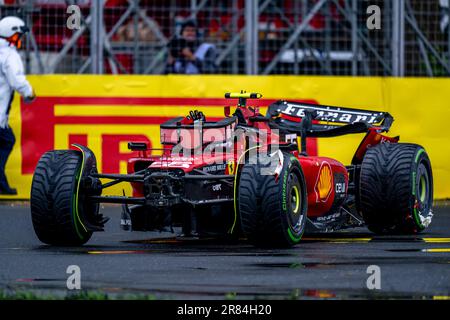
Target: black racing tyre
pixel 54 199
pixel 273 209
pixel 396 188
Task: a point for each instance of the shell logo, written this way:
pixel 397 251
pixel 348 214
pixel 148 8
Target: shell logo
pixel 324 182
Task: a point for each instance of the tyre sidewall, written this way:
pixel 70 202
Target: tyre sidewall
pixel 420 157
pixel 292 165
pixel 79 204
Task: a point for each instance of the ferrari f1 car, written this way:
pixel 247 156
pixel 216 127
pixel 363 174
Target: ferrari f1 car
pixel 246 175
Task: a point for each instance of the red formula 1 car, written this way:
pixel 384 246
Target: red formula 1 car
pixel 248 175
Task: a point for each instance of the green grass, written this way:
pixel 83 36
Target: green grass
pixel 78 295
pixel 230 296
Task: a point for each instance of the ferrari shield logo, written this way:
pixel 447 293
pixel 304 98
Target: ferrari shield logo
pixel 231 166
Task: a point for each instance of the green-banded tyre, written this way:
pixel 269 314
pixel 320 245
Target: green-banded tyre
pixel 273 208
pixel 396 188
pixel 54 199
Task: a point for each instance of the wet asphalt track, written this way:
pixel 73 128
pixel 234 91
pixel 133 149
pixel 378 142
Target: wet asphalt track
pixel 328 265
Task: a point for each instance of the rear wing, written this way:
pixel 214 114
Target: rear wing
pixel 330 117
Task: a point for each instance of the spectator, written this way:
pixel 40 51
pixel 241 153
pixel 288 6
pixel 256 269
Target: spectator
pixel 187 55
pixel 126 33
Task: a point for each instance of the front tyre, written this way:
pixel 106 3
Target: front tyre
pixel 54 199
pixel 273 208
pixel 396 188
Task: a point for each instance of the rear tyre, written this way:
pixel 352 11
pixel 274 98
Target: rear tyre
pixel 396 188
pixel 54 199
pixel 273 209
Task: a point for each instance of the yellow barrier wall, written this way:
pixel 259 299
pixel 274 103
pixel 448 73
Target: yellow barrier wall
pixel 105 111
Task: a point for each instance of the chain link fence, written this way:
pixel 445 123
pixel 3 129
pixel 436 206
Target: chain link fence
pixel 142 36
pixel 292 37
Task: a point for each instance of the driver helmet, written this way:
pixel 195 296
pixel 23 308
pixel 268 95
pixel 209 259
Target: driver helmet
pixel 12 29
